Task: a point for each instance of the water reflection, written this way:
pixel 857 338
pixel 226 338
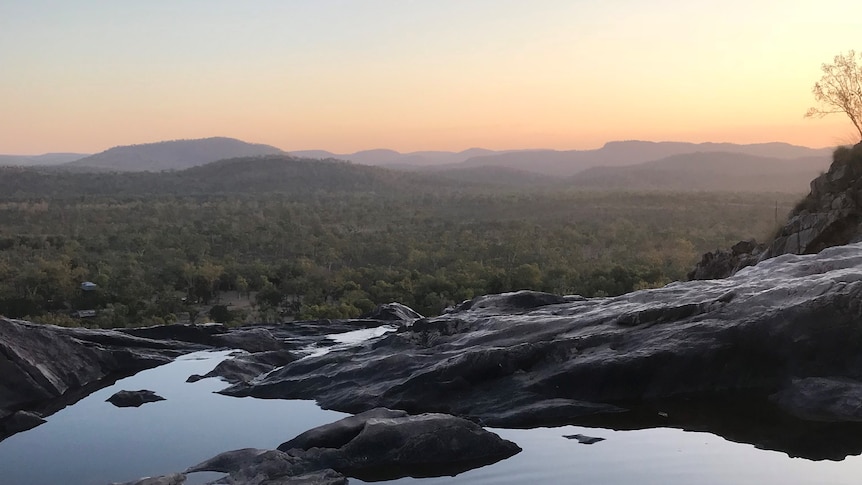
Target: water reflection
pixel 93 442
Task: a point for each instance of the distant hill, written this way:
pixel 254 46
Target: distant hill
pixel 711 171
pixel 274 173
pixel 566 163
pixel 39 160
pixel 394 159
pixel 173 155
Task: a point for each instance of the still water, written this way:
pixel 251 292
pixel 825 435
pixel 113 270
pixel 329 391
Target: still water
pixel 93 442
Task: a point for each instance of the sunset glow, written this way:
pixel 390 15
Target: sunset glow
pixel 345 75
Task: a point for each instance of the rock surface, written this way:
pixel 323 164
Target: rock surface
pixel 393 312
pixel 831 214
pixel 375 445
pixel 133 399
pixel 41 363
pixel 749 335
pixel 721 263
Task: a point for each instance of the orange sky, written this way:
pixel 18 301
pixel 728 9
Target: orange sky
pixel 346 75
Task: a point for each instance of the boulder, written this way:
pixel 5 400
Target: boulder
pixel 375 445
pixel 133 399
pixel 339 433
pixel 383 445
pixel 268 467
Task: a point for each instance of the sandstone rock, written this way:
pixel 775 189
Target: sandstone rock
pixel 244 368
pixel 339 433
pixel 382 448
pixel 43 363
pixel 721 264
pixel 133 399
pixel 787 317
pixel 266 467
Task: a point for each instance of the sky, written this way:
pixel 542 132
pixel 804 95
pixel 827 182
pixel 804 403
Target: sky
pixel 348 75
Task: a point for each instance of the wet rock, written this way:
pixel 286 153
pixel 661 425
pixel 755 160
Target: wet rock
pixel 339 433
pixel 40 364
pixel 245 367
pixel 392 312
pixel 567 358
pixel 823 399
pixel 392 447
pixel 20 421
pixel 266 467
pixel 133 399
pixel 583 439
pixel 512 302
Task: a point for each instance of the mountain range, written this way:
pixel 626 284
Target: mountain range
pixel 636 165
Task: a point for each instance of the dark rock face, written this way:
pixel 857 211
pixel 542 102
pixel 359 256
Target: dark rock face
pixel 40 363
pixel 790 317
pixel 831 213
pixel 721 263
pixel 133 399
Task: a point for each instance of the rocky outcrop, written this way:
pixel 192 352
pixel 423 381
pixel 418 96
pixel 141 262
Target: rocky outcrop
pixel 831 214
pixel 721 263
pixel 747 337
pixel 41 363
pixel 133 399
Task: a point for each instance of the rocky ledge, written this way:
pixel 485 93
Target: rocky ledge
pixel 529 359
pixel 44 368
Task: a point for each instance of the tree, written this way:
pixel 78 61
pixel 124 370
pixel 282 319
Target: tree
pixel 840 90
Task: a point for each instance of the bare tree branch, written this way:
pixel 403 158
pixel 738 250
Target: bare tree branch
pixel 840 90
